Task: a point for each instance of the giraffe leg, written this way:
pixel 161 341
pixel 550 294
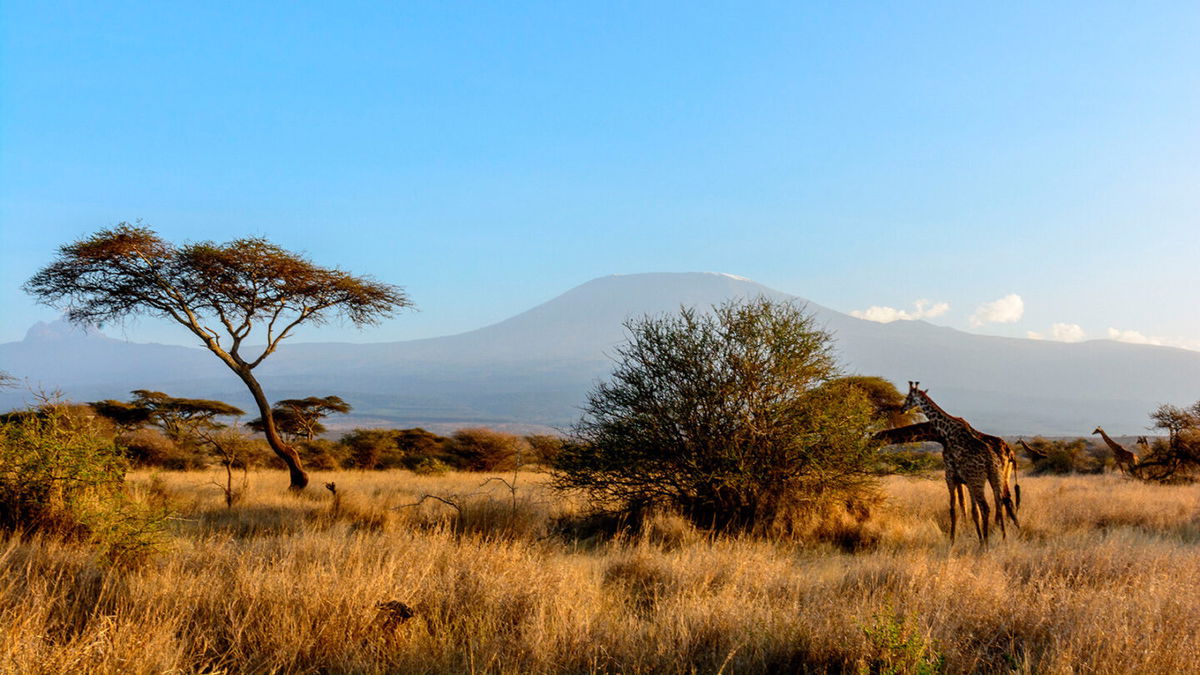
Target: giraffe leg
pixel 980 498
pixel 950 485
pixel 997 489
pixel 974 515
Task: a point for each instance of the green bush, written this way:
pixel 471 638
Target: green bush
pixel 64 475
pixel 52 469
pixel 898 648
pixel 430 467
pixel 736 419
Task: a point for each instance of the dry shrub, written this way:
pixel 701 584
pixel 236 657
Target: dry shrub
pixel 487 450
pixel 668 530
pixel 150 448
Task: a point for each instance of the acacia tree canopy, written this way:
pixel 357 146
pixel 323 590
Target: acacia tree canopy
pixel 301 417
pixel 222 293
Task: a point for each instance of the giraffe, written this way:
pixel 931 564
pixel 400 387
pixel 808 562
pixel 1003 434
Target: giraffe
pixel 1125 459
pixel 971 459
pixel 1033 452
pixel 927 432
pixel 922 432
pixel 1144 445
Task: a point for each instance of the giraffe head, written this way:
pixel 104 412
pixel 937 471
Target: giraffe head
pixel 1142 441
pixel 914 398
pixel 1098 431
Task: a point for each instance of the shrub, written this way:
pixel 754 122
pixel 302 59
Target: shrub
pixel 151 448
pixel 430 467
pixel 62 474
pixel 898 647
pixel 321 454
pixel 372 449
pixel 486 450
pixel 735 418
pixel 1062 457
pixel 51 468
pixel 544 448
pixel 418 445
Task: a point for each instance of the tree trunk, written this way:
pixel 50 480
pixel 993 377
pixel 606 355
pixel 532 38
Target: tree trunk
pixel 299 479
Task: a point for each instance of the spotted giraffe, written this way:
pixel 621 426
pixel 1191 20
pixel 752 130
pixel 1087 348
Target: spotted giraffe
pixel 971 459
pixel 1125 459
pixel 1033 452
pixel 928 432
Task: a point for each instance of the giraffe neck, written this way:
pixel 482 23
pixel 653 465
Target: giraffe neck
pixel 940 418
pixel 1111 443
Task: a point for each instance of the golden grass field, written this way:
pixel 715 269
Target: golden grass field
pixel 1103 577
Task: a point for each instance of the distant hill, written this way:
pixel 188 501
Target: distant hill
pixel 533 369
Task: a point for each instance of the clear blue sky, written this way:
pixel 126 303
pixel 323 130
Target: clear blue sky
pixel 490 156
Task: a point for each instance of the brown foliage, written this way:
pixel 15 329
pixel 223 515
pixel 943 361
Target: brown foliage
pixel 487 450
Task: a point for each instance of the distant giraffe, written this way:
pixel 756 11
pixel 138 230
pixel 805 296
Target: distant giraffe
pixel 1125 459
pixel 971 461
pixel 1033 452
pixel 1144 445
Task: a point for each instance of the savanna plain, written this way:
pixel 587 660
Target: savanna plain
pixel 1101 577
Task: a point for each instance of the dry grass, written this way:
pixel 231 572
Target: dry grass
pixel 1102 578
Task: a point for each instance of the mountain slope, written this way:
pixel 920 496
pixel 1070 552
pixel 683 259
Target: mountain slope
pixel 536 367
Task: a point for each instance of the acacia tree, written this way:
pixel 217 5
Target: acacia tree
pixel 736 418
pixel 220 292
pixel 182 419
pixel 301 417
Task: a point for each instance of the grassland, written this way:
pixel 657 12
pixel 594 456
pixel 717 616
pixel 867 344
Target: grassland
pixel 1103 577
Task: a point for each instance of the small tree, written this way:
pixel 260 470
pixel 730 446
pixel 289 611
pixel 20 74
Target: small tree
pixel 300 418
pixel 733 417
pixel 183 420
pixel 1179 455
pixel 217 291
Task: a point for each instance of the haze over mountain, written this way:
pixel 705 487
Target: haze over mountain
pixel 534 369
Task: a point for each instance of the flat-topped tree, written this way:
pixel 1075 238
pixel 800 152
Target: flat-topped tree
pixel 301 417
pixel 220 292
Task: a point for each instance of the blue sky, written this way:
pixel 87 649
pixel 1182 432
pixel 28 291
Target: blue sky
pixel 488 158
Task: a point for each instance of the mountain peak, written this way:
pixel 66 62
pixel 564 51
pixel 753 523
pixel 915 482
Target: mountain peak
pixel 61 329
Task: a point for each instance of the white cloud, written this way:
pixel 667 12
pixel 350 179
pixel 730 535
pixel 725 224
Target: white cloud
pixel 923 310
pixel 1008 309
pixel 1132 337
pixel 1067 332
pixel 1139 338
pixel 1060 332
